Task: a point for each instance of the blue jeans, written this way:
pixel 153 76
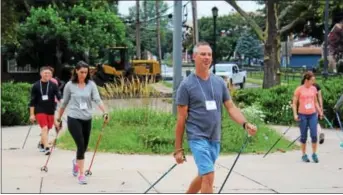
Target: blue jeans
pixel 308 121
pixel 205 154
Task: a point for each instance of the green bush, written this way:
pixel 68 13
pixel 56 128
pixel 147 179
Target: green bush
pixel 321 63
pixel 14 103
pixel 275 102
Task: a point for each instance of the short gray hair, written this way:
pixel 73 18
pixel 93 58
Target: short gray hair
pixel 201 43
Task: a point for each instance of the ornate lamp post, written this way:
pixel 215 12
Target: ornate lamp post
pixel 215 15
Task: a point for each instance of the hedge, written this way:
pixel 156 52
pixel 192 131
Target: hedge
pixel 14 103
pixel 275 102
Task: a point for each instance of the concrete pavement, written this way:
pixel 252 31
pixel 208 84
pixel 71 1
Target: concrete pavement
pixel 114 173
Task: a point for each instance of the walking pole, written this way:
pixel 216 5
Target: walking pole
pixel 284 133
pixel 331 126
pixel 293 142
pixel 171 168
pixel 27 135
pixel 45 167
pixel 88 171
pixel 340 125
pixel 339 121
pixel 243 147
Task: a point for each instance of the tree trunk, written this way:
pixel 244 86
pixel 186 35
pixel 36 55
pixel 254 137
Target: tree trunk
pixel 272 47
pixel 195 22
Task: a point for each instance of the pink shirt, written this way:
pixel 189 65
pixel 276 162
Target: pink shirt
pixel 306 98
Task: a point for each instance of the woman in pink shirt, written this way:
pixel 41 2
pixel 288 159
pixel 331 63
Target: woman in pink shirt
pixel 305 108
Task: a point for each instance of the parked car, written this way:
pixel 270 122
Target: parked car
pixel 232 72
pixel 167 72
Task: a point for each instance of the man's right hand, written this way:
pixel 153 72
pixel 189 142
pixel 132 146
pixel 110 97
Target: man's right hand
pixel 32 118
pixel 179 157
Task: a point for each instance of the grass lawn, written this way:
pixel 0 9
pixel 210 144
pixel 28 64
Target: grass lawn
pixel 167 84
pixel 145 131
pixel 292 78
pixel 255 81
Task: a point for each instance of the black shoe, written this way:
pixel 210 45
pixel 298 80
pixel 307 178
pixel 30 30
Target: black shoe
pixel 47 151
pixel 321 138
pixel 40 147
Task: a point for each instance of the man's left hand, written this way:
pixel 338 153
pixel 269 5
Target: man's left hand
pixel 252 129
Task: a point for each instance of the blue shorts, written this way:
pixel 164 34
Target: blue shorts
pixel 205 154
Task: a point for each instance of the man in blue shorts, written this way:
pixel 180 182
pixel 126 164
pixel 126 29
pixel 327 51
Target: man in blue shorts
pixel 199 102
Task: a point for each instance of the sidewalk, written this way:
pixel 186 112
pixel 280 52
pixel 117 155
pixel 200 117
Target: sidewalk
pixel 113 173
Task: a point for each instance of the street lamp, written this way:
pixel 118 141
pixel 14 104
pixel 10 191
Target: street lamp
pixel 326 27
pixel 215 15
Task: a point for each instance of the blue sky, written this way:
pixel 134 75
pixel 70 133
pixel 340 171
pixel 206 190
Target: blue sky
pixel 204 7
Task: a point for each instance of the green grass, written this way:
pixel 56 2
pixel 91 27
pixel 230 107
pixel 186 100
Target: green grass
pixel 255 81
pixel 165 83
pixel 144 131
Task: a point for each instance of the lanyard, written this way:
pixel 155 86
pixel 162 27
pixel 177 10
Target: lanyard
pixel 47 88
pixel 203 90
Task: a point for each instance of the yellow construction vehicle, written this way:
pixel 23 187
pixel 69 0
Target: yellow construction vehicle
pixel 118 65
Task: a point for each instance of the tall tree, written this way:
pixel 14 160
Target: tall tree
pixel 148 28
pixel 226 42
pixel 282 17
pixel 50 35
pixel 249 46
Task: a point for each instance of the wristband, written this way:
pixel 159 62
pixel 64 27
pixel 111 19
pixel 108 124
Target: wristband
pixel 177 151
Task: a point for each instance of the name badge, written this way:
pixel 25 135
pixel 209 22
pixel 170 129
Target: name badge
pixel 83 106
pixel 211 105
pixel 308 106
pixel 45 97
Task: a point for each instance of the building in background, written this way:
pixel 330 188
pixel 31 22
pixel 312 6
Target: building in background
pixel 307 57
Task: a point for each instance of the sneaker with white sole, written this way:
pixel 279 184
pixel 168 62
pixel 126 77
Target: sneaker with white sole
pixel 82 179
pixel 40 147
pixel 321 138
pixel 75 168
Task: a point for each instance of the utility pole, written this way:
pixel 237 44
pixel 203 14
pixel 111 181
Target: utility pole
pixel 138 32
pixel 195 22
pixel 159 52
pixel 177 50
pixel 145 11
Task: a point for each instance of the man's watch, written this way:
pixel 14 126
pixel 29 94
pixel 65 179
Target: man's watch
pixel 59 120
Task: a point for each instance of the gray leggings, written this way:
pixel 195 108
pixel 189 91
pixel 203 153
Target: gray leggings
pixel 80 130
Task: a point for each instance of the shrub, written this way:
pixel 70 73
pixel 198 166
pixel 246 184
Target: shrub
pixel 14 103
pixel 276 102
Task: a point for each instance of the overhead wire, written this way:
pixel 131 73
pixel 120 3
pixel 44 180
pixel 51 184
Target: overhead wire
pixel 133 22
